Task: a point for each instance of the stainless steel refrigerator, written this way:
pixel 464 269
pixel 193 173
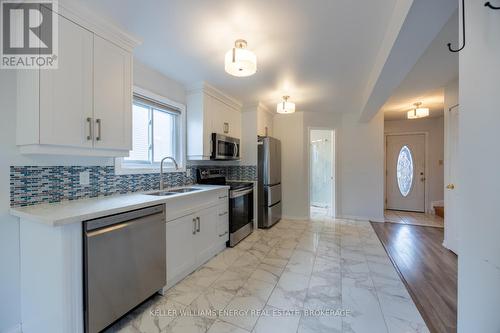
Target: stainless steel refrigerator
pixel 269 181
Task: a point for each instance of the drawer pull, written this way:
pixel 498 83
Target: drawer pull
pixel 222 214
pixel 224 234
pixel 223 197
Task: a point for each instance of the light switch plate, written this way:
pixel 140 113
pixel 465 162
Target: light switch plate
pixel 84 178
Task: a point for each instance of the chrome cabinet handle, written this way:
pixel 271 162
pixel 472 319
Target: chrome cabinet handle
pixel 223 197
pixel 199 224
pixel 194 226
pixel 222 214
pixel 89 121
pixel 98 122
pixel 223 234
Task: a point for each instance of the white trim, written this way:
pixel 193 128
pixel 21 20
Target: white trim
pixel 426 169
pixel 215 93
pixel 131 169
pixel 90 20
pixel 334 165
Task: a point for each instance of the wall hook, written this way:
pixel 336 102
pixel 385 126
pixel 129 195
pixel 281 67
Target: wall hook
pixel 463 31
pixel 488 4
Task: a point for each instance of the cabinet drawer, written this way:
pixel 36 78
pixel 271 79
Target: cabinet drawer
pixel 223 222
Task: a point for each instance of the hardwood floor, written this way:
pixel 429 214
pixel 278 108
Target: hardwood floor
pixel 428 270
pixel 413 218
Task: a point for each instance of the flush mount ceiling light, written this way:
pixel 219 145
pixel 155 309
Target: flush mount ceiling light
pixel 240 61
pixel 285 106
pixel 418 112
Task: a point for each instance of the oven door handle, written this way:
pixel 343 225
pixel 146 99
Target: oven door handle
pixel 239 193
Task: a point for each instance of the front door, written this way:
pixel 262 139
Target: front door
pixel 405 176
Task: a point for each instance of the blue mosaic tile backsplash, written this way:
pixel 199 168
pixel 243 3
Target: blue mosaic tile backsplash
pixel 30 185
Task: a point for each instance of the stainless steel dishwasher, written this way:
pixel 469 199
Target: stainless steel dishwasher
pixel 124 263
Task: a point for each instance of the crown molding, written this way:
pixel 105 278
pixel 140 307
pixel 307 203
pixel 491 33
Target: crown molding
pixel 97 24
pixel 216 93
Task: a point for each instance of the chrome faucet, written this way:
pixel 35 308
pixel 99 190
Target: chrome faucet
pixel 161 169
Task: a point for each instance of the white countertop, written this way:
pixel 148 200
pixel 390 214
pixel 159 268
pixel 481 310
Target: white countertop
pixel 65 212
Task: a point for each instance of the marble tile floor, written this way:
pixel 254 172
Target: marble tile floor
pixel 323 275
pixel 414 218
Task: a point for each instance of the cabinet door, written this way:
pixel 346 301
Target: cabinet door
pixel 66 92
pixel 112 96
pixel 206 239
pixel 223 222
pixel 181 255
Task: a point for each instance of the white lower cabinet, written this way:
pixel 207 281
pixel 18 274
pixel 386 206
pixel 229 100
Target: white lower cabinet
pixel 195 238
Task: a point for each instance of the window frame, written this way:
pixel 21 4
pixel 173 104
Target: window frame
pixel 123 167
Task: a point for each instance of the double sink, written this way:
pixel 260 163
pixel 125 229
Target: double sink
pixel 174 192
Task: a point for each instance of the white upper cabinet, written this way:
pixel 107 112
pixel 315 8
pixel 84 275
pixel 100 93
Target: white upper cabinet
pixel 210 111
pixel 84 107
pixel 112 96
pixel 66 93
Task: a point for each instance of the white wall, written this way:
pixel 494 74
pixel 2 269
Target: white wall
pixel 479 172
pixel 434 127
pixel 360 168
pixel 359 163
pixel 289 129
pixel 9 226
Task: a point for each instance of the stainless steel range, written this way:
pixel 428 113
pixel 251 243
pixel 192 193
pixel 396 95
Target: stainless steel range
pixel 240 203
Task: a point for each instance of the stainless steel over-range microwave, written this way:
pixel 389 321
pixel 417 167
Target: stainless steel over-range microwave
pixel 225 147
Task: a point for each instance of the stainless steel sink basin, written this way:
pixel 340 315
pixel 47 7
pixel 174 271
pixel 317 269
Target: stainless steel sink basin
pixel 162 193
pixel 177 191
pixel 185 190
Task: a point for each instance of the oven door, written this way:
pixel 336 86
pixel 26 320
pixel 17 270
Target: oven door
pixel 240 209
pixel 225 147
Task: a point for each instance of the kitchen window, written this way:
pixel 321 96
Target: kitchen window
pixel 157 132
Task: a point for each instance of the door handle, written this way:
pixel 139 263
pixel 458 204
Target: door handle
pixel 194 226
pixel 98 122
pixel 199 224
pixel 450 186
pixel 89 121
pixel 222 214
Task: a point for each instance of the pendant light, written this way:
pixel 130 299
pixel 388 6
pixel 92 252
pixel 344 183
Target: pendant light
pixel 285 106
pixel 239 61
pixel 418 112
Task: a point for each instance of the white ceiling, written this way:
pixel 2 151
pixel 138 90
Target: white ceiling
pixel 320 52
pixel 426 80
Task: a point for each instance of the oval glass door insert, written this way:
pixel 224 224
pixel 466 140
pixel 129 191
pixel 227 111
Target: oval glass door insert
pixel 404 171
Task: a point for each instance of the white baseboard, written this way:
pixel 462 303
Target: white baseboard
pixel 14 329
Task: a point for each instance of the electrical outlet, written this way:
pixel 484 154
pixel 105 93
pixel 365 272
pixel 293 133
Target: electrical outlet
pixel 84 178
pixel 188 172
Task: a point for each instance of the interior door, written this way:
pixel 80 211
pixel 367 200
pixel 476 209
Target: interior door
pixel 405 176
pixel 450 193
pixel 112 96
pixel 66 92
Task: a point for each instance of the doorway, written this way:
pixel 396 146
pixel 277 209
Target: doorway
pixel 406 172
pixel 322 172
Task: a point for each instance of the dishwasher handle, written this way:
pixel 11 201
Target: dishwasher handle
pixel 103 222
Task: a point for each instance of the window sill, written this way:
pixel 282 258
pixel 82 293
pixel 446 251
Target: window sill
pixel 137 169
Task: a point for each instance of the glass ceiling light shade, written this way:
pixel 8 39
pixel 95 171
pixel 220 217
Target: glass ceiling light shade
pixel 240 61
pixel 418 112
pixel 285 106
